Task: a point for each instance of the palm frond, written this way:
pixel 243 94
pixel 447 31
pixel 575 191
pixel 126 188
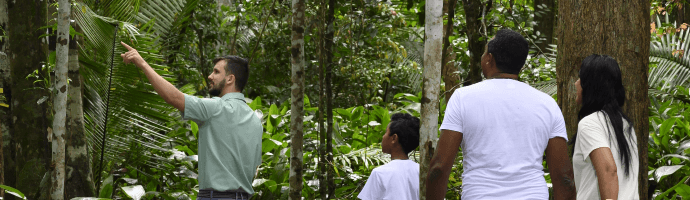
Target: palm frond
pixel 672 63
pixel 135 114
pixel 165 14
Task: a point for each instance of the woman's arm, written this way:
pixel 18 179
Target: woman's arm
pixel 607 173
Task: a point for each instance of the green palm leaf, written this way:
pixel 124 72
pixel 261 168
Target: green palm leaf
pixel 668 52
pixel 135 113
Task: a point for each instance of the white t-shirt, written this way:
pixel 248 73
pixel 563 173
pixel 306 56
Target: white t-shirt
pixel 592 134
pixel 396 180
pixel 506 126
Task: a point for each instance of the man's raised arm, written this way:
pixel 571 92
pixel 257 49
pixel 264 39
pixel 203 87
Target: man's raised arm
pixel 170 94
pixel 441 164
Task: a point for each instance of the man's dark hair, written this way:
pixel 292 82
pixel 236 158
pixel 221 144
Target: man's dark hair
pixel 406 127
pixel 236 66
pixel 510 51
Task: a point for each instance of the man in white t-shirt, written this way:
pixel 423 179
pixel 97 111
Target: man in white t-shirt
pixel 504 127
pixel 398 179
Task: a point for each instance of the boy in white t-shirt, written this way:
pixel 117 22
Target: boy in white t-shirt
pixel 398 179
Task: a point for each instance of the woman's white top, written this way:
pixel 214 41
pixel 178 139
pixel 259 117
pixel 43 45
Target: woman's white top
pixel 595 131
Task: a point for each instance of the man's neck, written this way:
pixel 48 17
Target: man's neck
pixel 501 75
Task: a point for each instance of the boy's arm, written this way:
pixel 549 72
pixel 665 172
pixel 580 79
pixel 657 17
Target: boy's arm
pixel 441 164
pixel 167 91
pixel 560 168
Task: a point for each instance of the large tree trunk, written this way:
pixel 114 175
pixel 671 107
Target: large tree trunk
pixel 544 16
pixel 618 28
pixel 4 82
pixel 450 78
pixel 330 19
pixel 473 15
pixel 297 99
pixel 57 188
pixel 30 125
pixel 79 181
pixel 430 95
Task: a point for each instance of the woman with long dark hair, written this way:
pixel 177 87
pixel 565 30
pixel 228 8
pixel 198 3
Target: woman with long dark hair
pixel 605 159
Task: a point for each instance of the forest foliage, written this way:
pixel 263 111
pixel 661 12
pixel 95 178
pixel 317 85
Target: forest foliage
pixel 377 59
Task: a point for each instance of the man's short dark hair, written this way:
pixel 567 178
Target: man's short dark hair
pixel 406 127
pixel 510 51
pixel 236 66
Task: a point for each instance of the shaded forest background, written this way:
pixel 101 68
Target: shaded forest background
pixel 362 61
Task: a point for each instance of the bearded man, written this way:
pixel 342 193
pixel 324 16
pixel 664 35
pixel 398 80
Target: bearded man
pixel 229 131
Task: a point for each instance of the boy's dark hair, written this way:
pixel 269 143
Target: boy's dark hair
pixel 406 127
pixel 236 66
pixel 510 51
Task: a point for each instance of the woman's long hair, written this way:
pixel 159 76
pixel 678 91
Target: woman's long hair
pixel 602 90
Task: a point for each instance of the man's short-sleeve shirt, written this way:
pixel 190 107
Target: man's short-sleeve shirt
pixel 506 126
pixel 229 141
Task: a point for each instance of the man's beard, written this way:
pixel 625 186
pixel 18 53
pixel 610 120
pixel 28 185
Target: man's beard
pixel 217 88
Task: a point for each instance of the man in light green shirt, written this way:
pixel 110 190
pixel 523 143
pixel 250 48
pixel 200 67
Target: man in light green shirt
pixel 229 131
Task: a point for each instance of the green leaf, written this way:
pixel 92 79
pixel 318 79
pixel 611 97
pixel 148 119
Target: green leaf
pixel 667 126
pixel 135 192
pixel 683 190
pixel 107 188
pixel 664 171
pixel 12 191
pixel 195 128
pixel 273 110
pixel 185 149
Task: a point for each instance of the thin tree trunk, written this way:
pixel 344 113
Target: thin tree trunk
pixel 330 19
pixel 30 125
pixel 323 188
pixel 79 181
pixel 473 14
pixel 450 78
pixel 4 82
pixel 544 16
pixel 620 29
pixel 430 95
pixel 57 188
pixel 297 99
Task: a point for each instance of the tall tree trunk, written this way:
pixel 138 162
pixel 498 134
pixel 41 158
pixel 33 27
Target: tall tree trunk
pixel 544 16
pixel 450 78
pixel 330 19
pixel 680 14
pixel 323 170
pixel 57 188
pixel 30 125
pixel 297 99
pixel 4 82
pixel 79 181
pixel 473 15
pixel 620 29
pixel 430 95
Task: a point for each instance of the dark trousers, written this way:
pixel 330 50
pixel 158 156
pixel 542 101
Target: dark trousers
pixel 208 194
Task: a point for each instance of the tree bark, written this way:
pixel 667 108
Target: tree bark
pixel 30 124
pixel 4 82
pixel 545 23
pixel 328 45
pixel 473 15
pixel 430 96
pixel 617 28
pixel 79 180
pixel 450 78
pixel 57 188
pixel 297 99
pixel 323 190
